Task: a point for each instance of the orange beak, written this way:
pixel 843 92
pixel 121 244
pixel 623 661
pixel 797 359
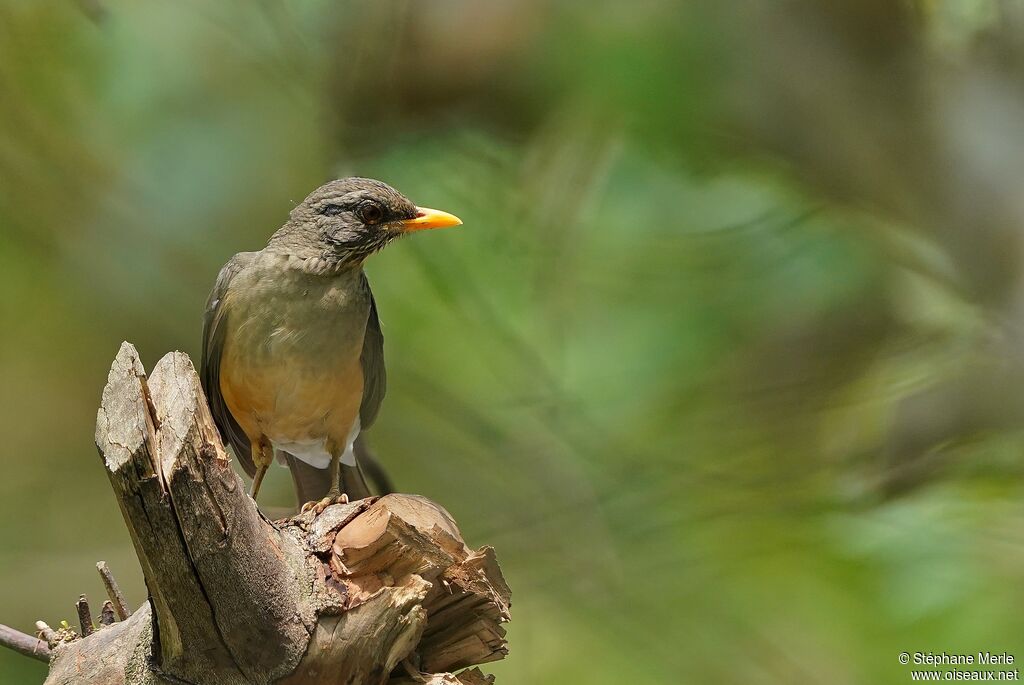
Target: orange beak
pixel 429 218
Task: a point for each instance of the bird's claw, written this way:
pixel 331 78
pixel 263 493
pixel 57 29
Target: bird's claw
pixel 317 507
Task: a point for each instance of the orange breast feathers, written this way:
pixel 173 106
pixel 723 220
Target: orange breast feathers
pixel 291 398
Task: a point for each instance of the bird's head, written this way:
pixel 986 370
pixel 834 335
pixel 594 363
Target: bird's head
pixel 347 220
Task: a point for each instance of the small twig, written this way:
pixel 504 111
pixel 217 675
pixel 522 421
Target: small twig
pixel 24 644
pixel 46 632
pixel 107 617
pixel 84 616
pixel 113 591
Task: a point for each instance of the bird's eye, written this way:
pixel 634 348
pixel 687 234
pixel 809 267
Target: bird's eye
pixel 370 213
pixel 332 210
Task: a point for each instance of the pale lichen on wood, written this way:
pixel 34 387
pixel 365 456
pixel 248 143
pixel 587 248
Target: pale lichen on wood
pixel 382 590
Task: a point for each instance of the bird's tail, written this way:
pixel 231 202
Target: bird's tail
pixel 371 466
pixel 311 483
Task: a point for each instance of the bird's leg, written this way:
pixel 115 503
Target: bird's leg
pixel 335 472
pixel 334 494
pixel 257 480
pixel 261 458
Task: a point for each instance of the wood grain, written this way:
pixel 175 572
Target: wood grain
pixel 369 592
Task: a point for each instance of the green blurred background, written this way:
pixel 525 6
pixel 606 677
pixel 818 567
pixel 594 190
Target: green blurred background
pixel 726 361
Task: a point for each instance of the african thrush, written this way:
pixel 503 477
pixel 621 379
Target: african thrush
pixel 293 355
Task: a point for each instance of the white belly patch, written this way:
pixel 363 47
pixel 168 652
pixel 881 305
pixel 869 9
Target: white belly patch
pixel 314 452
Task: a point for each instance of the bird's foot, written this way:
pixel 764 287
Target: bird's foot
pixel 317 507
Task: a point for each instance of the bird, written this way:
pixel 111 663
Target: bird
pixel 293 353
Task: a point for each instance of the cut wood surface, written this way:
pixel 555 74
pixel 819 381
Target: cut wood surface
pixel 381 590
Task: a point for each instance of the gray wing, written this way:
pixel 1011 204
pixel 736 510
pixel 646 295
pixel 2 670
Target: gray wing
pixel 209 371
pixel 374 376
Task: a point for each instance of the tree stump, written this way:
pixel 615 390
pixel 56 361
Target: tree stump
pixel 381 590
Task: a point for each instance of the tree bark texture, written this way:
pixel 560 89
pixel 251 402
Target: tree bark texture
pixel 381 590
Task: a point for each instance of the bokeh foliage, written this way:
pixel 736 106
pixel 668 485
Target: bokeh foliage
pixel 725 362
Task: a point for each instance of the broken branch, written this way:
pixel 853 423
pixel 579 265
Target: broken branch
pixel 24 644
pixel 113 591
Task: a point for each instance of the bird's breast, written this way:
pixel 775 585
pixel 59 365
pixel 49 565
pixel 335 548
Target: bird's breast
pixel 290 368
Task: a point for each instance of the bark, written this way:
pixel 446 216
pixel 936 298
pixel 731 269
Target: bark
pixel 117 600
pixel 376 591
pixel 34 647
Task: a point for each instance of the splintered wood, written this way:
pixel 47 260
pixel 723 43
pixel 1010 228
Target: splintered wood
pixel 403 556
pixel 378 591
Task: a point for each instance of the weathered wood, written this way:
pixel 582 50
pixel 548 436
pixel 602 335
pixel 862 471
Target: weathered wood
pixel 117 655
pixel 126 436
pixel 472 676
pixel 117 599
pixel 238 560
pixel 354 595
pixel 46 632
pixel 84 616
pixel 406 535
pixel 107 615
pixel 28 645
